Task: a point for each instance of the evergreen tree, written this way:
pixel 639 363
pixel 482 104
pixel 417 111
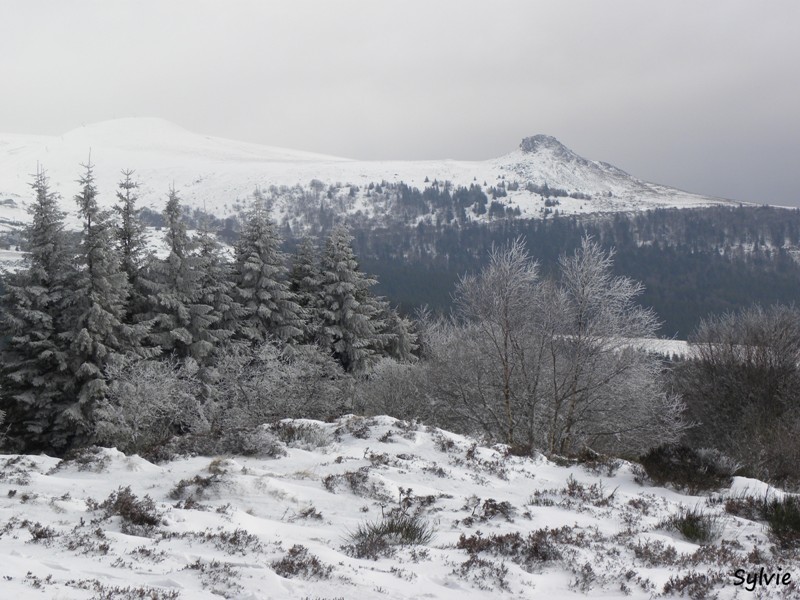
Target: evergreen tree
pixel 180 318
pixel 216 288
pixel 348 310
pixel 98 300
pixel 305 281
pixel 262 286
pixel 402 339
pixel 131 242
pixel 130 229
pixel 34 372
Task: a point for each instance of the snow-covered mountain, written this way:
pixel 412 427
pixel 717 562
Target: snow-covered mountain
pixel 216 174
pixel 281 525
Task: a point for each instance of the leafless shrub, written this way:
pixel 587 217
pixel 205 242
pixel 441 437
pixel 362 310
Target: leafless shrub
pixel 357 426
pixel 299 562
pixel 484 574
pixel 585 578
pixel 17 470
pixel 148 402
pixel 41 533
pixel 697 586
pixel 220 578
pixel 139 516
pixel 306 436
pixel 527 552
pixel 92 459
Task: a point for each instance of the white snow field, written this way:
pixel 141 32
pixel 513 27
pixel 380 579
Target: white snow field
pixel 278 527
pixel 216 174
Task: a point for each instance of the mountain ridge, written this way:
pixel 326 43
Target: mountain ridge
pixel 215 174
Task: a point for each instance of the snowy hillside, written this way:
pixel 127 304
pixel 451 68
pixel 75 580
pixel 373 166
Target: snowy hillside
pixel 280 526
pixel 215 174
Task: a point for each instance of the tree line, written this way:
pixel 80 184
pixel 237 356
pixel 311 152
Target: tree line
pixel 693 262
pixel 74 314
pixel 194 349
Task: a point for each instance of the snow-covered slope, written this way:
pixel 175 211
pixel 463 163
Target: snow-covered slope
pixel 258 528
pixel 214 173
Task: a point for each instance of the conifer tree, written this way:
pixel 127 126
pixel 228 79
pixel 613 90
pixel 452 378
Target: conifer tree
pixel 348 310
pixel 401 341
pixel 131 242
pixel 99 295
pixel 216 288
pixel 262 286
pixel 34 372
pixel 130 229
pixel 305 282
pixel 180 318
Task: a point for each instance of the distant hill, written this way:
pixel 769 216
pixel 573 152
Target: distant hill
pixel 217 175
pixel 419 225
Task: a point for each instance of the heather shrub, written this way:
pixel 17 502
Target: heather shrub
pixel 696 526
pixel 688 469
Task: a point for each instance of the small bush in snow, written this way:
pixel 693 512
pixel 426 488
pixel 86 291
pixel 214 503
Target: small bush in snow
pixel 697 586
pixel 655 553
pixel 258 441
pixel 356 426
pixel 41 533
pixel 359 482
pixel 527 552
pixel 193 489
pixel 598 464
pixel 306 436
pixel 687 468
pixel 745 506
pixel 139 516
pixel 103 592
pixel 485 574
pixel 299 562
pixel 254 441
pixel 585 578
pixel 379 538
pixel 783 517
pixel 92 459
pixel 220 578
pixel 17 470
pixel 696 526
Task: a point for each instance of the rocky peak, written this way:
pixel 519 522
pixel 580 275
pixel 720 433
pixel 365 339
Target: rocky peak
pixel 535 143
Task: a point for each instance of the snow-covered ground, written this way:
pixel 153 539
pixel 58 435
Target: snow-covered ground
pixel 216 174
pixel 279 527
pixel 665 347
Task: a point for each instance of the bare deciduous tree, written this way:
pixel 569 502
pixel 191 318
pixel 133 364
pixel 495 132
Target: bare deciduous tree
pixel 741 386
pixel 499 302
pixel 596 316
pixel 550 363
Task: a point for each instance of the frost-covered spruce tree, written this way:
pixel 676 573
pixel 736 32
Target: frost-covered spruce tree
pixel 131 242
pixel 347 309
pixel 305 281
pixel 216 288
pixel 181 320
pixel 402 339
pixel 98 300
pixel 34 371
pixel 262 286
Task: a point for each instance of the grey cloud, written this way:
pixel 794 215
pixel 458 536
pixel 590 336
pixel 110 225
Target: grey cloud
pixel 696 95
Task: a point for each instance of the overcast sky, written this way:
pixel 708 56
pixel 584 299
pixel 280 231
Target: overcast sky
pixel 703 96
